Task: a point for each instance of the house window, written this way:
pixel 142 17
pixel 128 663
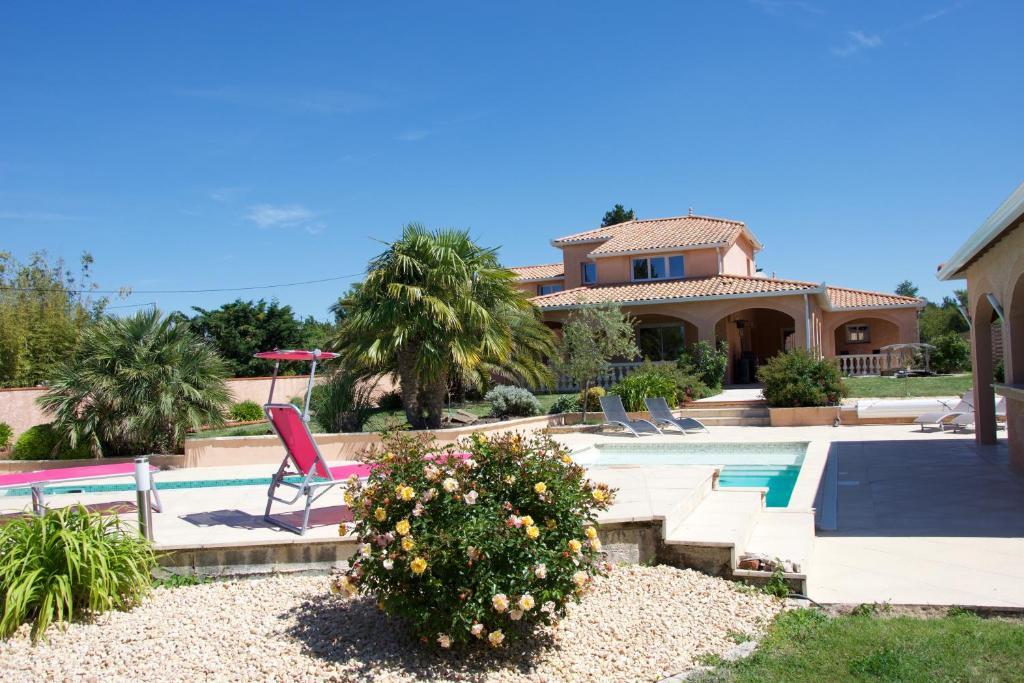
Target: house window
pixel 548 289
pixel 654 268
pixel 588 273
pixel 857 334
pixel 660 342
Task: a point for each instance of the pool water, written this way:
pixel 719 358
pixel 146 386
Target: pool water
pixel 774 466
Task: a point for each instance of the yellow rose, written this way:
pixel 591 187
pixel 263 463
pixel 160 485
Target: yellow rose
pixel 575 546
pixel 566 459
pixel 381 514
pixel 590 532
pixel 347 497
pixel 527 520
pixel 540 487
pixel 408 544
pixel 402 527
pixel 496 638
pixel 526 603
pixel 598 495
pixel 418 565
pixel 532 532
pixel 595 543
pixel 407 493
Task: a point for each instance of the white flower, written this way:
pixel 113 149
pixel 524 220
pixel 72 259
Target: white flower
pixel 525 602
pixel 450 485
pixel 428 495
pixel 496 638
pixel 500 602
pixel 477 630
pixel 470 498
pixel 580 578
pixel 470 463
pixel 418 510
pixel 515 615
pixel 540 571
pixel 388 564
pixel 365 550
pixel 431 472
pixel 444 641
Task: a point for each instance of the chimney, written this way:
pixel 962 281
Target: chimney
pixel 773 274
pixel 691 211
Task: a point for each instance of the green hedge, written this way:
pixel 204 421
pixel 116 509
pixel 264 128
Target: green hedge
pixel 40 443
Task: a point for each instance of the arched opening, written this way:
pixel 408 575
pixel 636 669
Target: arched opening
pixel 663 337
pixel 754 335
pixel 859 342
pixel 984 370
pixel 1014 329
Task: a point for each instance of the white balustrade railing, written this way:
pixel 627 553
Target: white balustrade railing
pixel 857 364
pixel 614 375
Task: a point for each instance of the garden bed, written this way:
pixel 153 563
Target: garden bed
pixel 640 623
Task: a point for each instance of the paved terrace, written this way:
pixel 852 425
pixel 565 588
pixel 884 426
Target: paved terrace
pixel 922 518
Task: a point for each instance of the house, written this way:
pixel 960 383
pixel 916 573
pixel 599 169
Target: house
pixel 690 278
pixel 992 262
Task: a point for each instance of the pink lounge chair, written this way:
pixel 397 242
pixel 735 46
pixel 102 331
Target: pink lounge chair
pixel 301 452
pixel 39 479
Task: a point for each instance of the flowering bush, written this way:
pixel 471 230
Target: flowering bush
pixel 479 545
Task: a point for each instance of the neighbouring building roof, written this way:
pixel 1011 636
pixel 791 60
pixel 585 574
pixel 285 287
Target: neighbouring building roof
pixel 686 232
pixel 841 297
pixel 669 291
pixel 544 271
pixel 999 223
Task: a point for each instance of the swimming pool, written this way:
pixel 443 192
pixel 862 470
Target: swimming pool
pixel 775 466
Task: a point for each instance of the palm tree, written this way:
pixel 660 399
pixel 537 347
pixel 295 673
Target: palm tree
pixel 436 307
pixel 136 385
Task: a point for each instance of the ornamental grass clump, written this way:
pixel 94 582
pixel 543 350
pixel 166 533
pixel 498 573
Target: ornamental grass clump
pixel 68 563
pixel 479 543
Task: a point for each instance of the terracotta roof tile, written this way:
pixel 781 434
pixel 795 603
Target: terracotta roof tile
pixel 544 271
pixel 696 288
pixel 659 233
pixel 841 297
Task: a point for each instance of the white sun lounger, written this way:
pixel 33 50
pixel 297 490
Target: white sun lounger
pixel 943 418
pixel 966 420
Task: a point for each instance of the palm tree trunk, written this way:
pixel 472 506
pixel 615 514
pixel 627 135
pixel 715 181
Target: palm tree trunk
pixel 410 388
pixel 436 393
pixel 583 402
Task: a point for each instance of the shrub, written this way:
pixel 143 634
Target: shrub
pixel 651 380
pixel 952 353
pixel 482 548
pixel 69 562
pixel 509 401
pixel 645 382
pixel 798 378
pixel 6 435
pixel 593 401
pixel 390 401
pixel 136 385
pixel 42 442
pixel 344 403
pixel 246 411
pixel 566 403
pixel 706 362
pixel 999 371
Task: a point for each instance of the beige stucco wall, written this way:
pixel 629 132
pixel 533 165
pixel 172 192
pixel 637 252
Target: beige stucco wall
pixel 999 271
pixel 533 288
pixel 572 256
pixel 696 263
pixel 739 258
pixel 18 407
pixel 896 324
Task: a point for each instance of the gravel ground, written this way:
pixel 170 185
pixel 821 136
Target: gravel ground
pixel 639 624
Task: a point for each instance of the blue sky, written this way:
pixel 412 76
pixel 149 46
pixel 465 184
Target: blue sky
pixel 202 145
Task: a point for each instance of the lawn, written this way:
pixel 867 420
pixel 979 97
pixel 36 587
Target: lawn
pixel 806 645
pixel 891 387
pixel 381 419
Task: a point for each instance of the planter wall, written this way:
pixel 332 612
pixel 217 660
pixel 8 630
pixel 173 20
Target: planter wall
pixel 803 417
